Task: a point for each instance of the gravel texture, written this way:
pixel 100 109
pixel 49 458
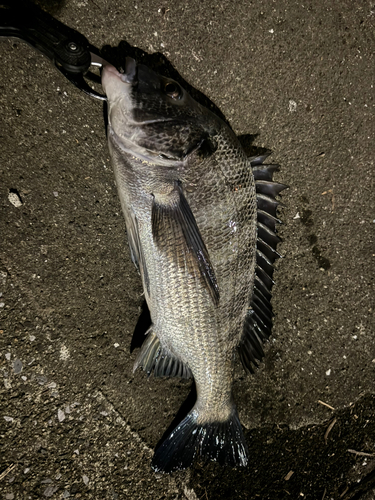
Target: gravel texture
pixel 74 421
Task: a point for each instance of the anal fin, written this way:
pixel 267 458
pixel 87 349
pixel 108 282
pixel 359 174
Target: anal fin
pixel 152 357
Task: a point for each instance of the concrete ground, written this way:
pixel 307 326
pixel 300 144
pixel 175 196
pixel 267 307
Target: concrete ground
pixel 74 421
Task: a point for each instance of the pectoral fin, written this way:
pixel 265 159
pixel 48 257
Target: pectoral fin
pixel 136 249
pixel 173 219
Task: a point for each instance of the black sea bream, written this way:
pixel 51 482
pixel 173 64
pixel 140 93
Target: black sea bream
pixel 200 219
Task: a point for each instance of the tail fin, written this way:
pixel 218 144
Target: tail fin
pixel 222 442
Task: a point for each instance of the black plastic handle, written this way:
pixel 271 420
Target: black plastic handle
pixel 64 46
pixel 68 49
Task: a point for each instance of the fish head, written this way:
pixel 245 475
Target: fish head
pixel 154 119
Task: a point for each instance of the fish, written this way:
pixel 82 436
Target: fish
pixel 201 224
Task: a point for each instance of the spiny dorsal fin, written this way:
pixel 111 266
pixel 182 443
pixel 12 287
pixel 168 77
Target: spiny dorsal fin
pixel 267 220
pixel 258 322
pixel 258 160
pixel 152 357
pixel 264 172
pixel 267 203
pixel 176 218
pixel 269 188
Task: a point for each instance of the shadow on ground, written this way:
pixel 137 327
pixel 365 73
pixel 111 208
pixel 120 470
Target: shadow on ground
pixel 314 462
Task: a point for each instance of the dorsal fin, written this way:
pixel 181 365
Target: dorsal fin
pixel 258 322
pixel 269 188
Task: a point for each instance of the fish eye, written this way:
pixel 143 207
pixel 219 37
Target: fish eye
pixel 173 90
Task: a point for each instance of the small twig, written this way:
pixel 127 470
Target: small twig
pixel 204 494
pixel 330 191
pixel 7 470
pixel 344 492
pixel 329 428
pixel 324 494
pixel 326 404
pixel 289 475
pixel 361 453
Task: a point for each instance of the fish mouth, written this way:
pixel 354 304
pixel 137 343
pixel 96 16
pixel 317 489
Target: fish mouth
pixel 128 76
pixel 140 123
pixel 113 79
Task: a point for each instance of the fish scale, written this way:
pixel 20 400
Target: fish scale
pixel 190 198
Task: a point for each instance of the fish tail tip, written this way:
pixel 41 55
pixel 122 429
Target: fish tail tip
pixel 222 442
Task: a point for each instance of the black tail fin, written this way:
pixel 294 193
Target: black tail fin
pixel 222 442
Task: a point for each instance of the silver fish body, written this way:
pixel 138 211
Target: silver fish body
pixel 188 194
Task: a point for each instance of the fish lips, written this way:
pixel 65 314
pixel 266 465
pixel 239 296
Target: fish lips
pixel 115 82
